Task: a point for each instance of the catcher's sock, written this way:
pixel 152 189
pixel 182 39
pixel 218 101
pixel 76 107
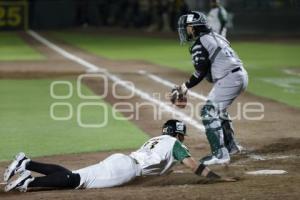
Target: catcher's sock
pixel 58 180
pixel 45 169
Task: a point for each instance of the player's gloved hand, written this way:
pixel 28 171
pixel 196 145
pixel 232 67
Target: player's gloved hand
pixel 174 94
pixel 178 96
pixel 229 179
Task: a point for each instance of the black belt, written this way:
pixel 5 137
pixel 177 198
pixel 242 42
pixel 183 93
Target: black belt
pixel 236 70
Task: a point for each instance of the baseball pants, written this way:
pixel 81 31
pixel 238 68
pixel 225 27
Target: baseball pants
pixel 228 88
pixel 218 126
pixel 115 170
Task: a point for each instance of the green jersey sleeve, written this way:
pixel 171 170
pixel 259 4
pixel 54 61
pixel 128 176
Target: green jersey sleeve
pixel 180 151
pixel 222 15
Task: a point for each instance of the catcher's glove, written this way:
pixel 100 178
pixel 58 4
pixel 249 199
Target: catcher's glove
pixel 178 97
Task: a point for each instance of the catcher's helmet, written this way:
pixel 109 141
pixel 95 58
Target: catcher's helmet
pixel 195 19
pixel 173 127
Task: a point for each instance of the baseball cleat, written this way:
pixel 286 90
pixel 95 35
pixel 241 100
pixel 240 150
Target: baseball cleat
pixel 17 166
pixel 213 160
pixel 21 183
pixel 236 149
pixel 222 159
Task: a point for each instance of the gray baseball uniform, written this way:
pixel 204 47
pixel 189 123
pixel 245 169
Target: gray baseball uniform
pixel 214 59
pixel 227 71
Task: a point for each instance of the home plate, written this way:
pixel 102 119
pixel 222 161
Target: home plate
pixel 267 172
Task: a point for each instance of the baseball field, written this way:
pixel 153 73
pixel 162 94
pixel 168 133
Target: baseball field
pixel 66 99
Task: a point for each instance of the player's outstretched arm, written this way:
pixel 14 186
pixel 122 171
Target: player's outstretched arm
pixel 202 170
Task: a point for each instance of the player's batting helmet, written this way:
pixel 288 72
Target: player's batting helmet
pixel 195 19
pixel 173 127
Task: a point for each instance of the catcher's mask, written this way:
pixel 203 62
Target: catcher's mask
pixel 195 19
pixel 173 127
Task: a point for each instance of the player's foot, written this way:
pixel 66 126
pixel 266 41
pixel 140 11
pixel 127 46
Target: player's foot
pixel 17 166
pixel 236 149
pixel 213 160
pixel 21 183
pixel 220 159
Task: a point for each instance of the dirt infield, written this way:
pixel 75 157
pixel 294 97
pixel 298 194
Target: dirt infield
pixel 272 143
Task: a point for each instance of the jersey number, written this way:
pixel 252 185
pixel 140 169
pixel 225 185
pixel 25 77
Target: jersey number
pixel 228 52
pixel 151 144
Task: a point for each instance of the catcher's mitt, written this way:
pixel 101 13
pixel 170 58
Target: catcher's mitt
pixel 178 97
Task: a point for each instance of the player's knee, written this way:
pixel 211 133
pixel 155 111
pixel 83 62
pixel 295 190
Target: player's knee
pixel 73 180
pixel 226 121
pixel 208 113
pixel 224 116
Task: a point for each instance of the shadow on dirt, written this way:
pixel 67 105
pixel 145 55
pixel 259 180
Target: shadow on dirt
pixel 172 180
pixel 283 145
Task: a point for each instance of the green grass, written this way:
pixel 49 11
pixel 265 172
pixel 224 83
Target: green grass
pixel 13 48
pixel 26 124
pixel 166 52
pixel 265 61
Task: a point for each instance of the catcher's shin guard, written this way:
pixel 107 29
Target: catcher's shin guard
pixel 213 129
pixel 228 131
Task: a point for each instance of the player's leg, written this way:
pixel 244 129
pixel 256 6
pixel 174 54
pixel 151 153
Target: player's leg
pixel 231 87
pixel 22 163
pixel 229 141
pixel 44 168
pixel 123 169
pixel 61 179
pixel 115 170
pixel 214 133
pixel 56 176
pixel 220 98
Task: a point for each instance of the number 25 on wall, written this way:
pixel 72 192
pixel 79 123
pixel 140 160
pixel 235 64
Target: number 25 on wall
pixel 10 16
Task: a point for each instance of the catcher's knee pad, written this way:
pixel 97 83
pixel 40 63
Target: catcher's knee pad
pixel 212 124
pixel 210 116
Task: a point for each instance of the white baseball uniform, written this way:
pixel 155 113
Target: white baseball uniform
pixel 155 157
pixel 217 19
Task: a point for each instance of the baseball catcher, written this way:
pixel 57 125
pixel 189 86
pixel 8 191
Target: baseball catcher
pixel 215 60
pixel 156 157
